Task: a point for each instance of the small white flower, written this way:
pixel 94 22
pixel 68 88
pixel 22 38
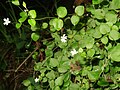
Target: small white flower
pixel 6 21
pixel 73 52
pixel 25 10
pixel 64 38
pixel 36 80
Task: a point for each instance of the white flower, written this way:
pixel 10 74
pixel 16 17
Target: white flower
pixel 36 80
pixel 64 38
pixel 6 21
pixel 25 10
pixel 73 52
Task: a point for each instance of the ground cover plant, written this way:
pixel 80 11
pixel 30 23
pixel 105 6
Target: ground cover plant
pixel 78 51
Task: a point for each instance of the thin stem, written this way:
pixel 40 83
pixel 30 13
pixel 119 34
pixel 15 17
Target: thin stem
pixel 26 59
pixel 44 18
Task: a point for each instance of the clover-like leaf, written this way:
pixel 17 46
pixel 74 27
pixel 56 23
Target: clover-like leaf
pixel 18 25
pixel 44 25
pixel 32 13
pixel 111 16
pixel 51 83
pixel 102 82
pixel 89 42
pixel 115 4
pixel 91 52
pixel 57 88
pixel 104 28
pixel 22 19
pixel 93 75
pixel 35 36
pixel 75 19
pixel 16 2
pixel 57 23
pixel 61 12
pixel 32 22
pixel 96 1
pixel 59 81
pixel 26 82
pixel 104 40
pixel 115 27
pixel 30 87
pixel 79 10
pixel 96 33
pixel 23 14
pixel 98 13
pixel 114 35
pixel 50 75
pixel 114 53
pixel 54 62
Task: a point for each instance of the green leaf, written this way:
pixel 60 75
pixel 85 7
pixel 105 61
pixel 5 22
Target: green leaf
pixel 91 23
pixel 104 28
pixel 93 76
pixel 26 82
pixel 114 53
pixel 66 77
pixel 79 10
pixel 44 25
pixel 30 87
pixel 59 81
pixel 34 28
pixel 96 33
pixel 110 24
pixel 114 35
pixel 32 22
pixel 50 75
pixel 91 52
pixel 52 29
pixel 51 83
pixel 75 19
pixel 48 52
pixel 21 20
pixel 104 40
pixel 111 16
pixel 23 14
pixel 96 1
pixel 32 13
pixel 89 42
pixel 35 36
pixel 66 84
pixel 51 21
pixel 44 79
pixel 18 25
pixel 61 12
pixel 115 27
pixel 98 13
pixel 24 4
pixel 115 4
pixel 74 86
pixel 102 82
pixel 64 66
pixel 16 2
pixel 57 88
pixel 57 23
pixel 54 62
pixel 62 69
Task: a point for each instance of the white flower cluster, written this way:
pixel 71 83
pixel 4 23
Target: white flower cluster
pixel 64 39
pixel 6 21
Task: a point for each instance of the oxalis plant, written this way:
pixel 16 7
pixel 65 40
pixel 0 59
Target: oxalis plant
pixel 82 50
